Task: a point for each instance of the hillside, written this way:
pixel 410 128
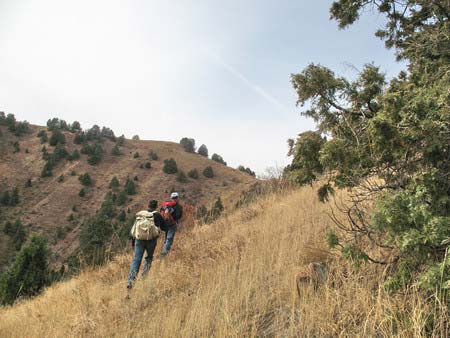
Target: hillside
pixel 233 278
pixel 52 206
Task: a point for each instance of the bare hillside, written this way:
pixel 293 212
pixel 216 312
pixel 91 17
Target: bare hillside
pixel 52 205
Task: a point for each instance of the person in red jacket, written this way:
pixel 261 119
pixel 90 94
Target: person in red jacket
pixel 173 212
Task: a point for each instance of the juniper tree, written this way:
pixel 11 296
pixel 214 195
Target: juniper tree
pixel 397 132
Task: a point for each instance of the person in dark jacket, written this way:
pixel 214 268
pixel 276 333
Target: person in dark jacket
pixel 171 229
pixel 149 246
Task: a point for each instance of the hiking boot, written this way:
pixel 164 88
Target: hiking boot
pixel 130 286
pixel 163 255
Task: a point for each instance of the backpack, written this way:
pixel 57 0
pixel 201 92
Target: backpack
pixel 167 211
pixel 144 227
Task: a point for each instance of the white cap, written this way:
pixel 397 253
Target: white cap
pixel 174 195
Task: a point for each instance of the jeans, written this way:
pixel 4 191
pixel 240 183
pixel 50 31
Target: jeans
pixel 170 234
pixel 139 247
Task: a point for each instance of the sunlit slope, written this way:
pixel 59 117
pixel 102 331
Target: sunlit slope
pixel 46 206
pixel 222 279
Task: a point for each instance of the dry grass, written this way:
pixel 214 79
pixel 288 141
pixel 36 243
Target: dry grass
pixel 233 278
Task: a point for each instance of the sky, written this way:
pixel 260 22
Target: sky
pixel 216 71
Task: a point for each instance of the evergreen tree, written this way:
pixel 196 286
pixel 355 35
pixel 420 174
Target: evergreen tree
pixel 86 179
pixel 28 274
pixel 208 172
pixel 57 138
pixel 170 166
pixel 218 158
pixel 114 184
pixel 181 177
pixel 97 154
pixel 130 187
pixel 193 174
pixel 122 198
pixel 188 144
pixel 203 150
pixel 43 136
pixel 116 151
pixel 75 155
pixel 396 134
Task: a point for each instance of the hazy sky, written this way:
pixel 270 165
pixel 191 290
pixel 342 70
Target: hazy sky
pixel 217 71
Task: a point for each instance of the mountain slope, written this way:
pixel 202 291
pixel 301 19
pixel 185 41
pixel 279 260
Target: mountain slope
pixel 55 209
pixel 233 278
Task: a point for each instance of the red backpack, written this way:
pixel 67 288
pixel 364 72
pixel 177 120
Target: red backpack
pixel 167 211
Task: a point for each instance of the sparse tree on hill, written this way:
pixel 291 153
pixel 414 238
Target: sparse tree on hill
pixel 96 155
pixel 218 158
pixel 247 170
pixel 75 155
pixel 114 184
pixel 170 166
pixel 120 140
pixel 79 138
pixel 57 138
pixel 208 172
pixel 75 127
pixel 135 138
pixel 43 136
pixel 193 174
pixel 153 156
pixel 86 180
pixel 181 177
pixel 203 150
pixel 130 187
pixel 116 151
pixel 188 144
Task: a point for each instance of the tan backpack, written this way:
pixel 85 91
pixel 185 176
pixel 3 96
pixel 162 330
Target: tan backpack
pixel 144 227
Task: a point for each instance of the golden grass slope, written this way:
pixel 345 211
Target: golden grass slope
pixel 233 278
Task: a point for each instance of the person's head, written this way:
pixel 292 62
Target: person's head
pixel 174 196
pixel 153 204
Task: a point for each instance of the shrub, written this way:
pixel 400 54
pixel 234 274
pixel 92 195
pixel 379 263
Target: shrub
pixel 61 179
pixel 121 198
pixel 170 166
pixel 86 179
pixel 75 155
pixel 120 140
pixel 122 216
pixel 136 155
pixel 57 138
pixel 97 154
pixel 208 172
pixel 16 147
pixel 79 138
pixel 16 231
pixel 116 151
pixel 82 192
pixel 43 136
pixel 73 173
pixel 29 273
pixel 153 156
pixel 203 150
pixel 181 177
pixel 246 170
pixel 193 174
pixel 188 144
pixel 47 170
pixel 218 158
pixel 114 184
pixel 86 149
pixel 75 127
pixel 130 187
pixel 29 183
pixel 147 165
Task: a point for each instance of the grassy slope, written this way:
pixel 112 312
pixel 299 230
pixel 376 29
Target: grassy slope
pixel 46 205
pixel 233 278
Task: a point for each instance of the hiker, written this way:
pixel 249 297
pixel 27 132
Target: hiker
pixel 172 211
pixel 144 236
